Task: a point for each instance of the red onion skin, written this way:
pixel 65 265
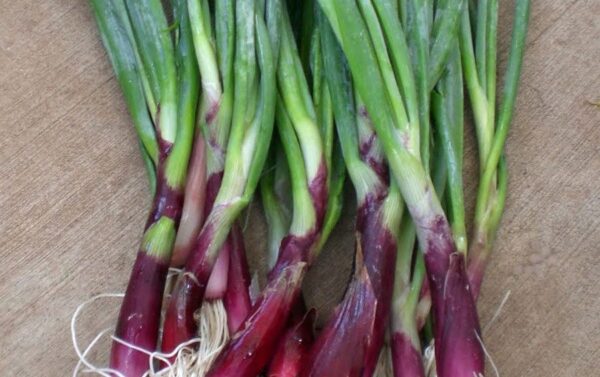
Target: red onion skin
pixel 195 284
pixel 293 348
pixel 237 297
pixel 139 317
pixel 377 257
pixel 340 348
pixel 461 349
pixel 456 324
pixel 179 325
pixel 477 261
pixel 253 345
pixel 379 250
pixel 269 315
pixel 406 359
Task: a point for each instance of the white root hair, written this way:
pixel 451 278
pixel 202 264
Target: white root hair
pixel 497 312
pixel 213 335
pixel 488 356
pixel 83 361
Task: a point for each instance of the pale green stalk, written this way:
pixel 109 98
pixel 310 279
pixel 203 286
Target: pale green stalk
pixel 298 103
pixel 403 69
pixel 479 68
pixel 481 39
pixel 385 65
pixel 215 57
pixel 342 93
pixel 304 216
pixel 204 46
pixel 405 164
pixel 176 165
pixel 420 19
pixel 336 168
pixel 249 138
pixel 155 46
pixel 448 15
pixel 477 94
pixel 480 76
pixel 447 109
pixel 122 55
pixel 121 9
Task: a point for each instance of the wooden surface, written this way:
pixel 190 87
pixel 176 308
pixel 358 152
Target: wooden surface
pixel 73 195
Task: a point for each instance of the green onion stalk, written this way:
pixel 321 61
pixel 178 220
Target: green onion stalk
pixel 492 119
pixel 448 119
pixel 351 341
pixel 214 118
pixel 252 119
pixel 302 143
pixel 151 67
pixel 227 292
pixel 390 93
pixel 479 61
pixel 293 347
pixel 432 36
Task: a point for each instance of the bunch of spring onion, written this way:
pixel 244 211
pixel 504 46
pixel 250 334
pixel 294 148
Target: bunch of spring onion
pixel 351 341
pixel 401 44
pixel 208 157
pixel 252 116
pixel 302 143
pixel 157 69
pixel 227 298
pixel 292 348
pixel 390 75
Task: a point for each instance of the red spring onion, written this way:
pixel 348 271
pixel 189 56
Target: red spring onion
pixel 141 51
pixel 247 148
pixel 302 143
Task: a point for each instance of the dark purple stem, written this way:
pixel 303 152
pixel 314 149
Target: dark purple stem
pixel 437 251
pixel 376 254
pixel 462 353
pixel 406 359
pixel 251 348
pixel 368 151
pixel 180 325
pixel 318 192
pixel 477 261
pixel 379 248
pixel 293 249
pixel 456 324
pixel 139 318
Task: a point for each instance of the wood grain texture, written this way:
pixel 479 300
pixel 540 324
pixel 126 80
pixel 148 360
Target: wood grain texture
pixel 73 195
